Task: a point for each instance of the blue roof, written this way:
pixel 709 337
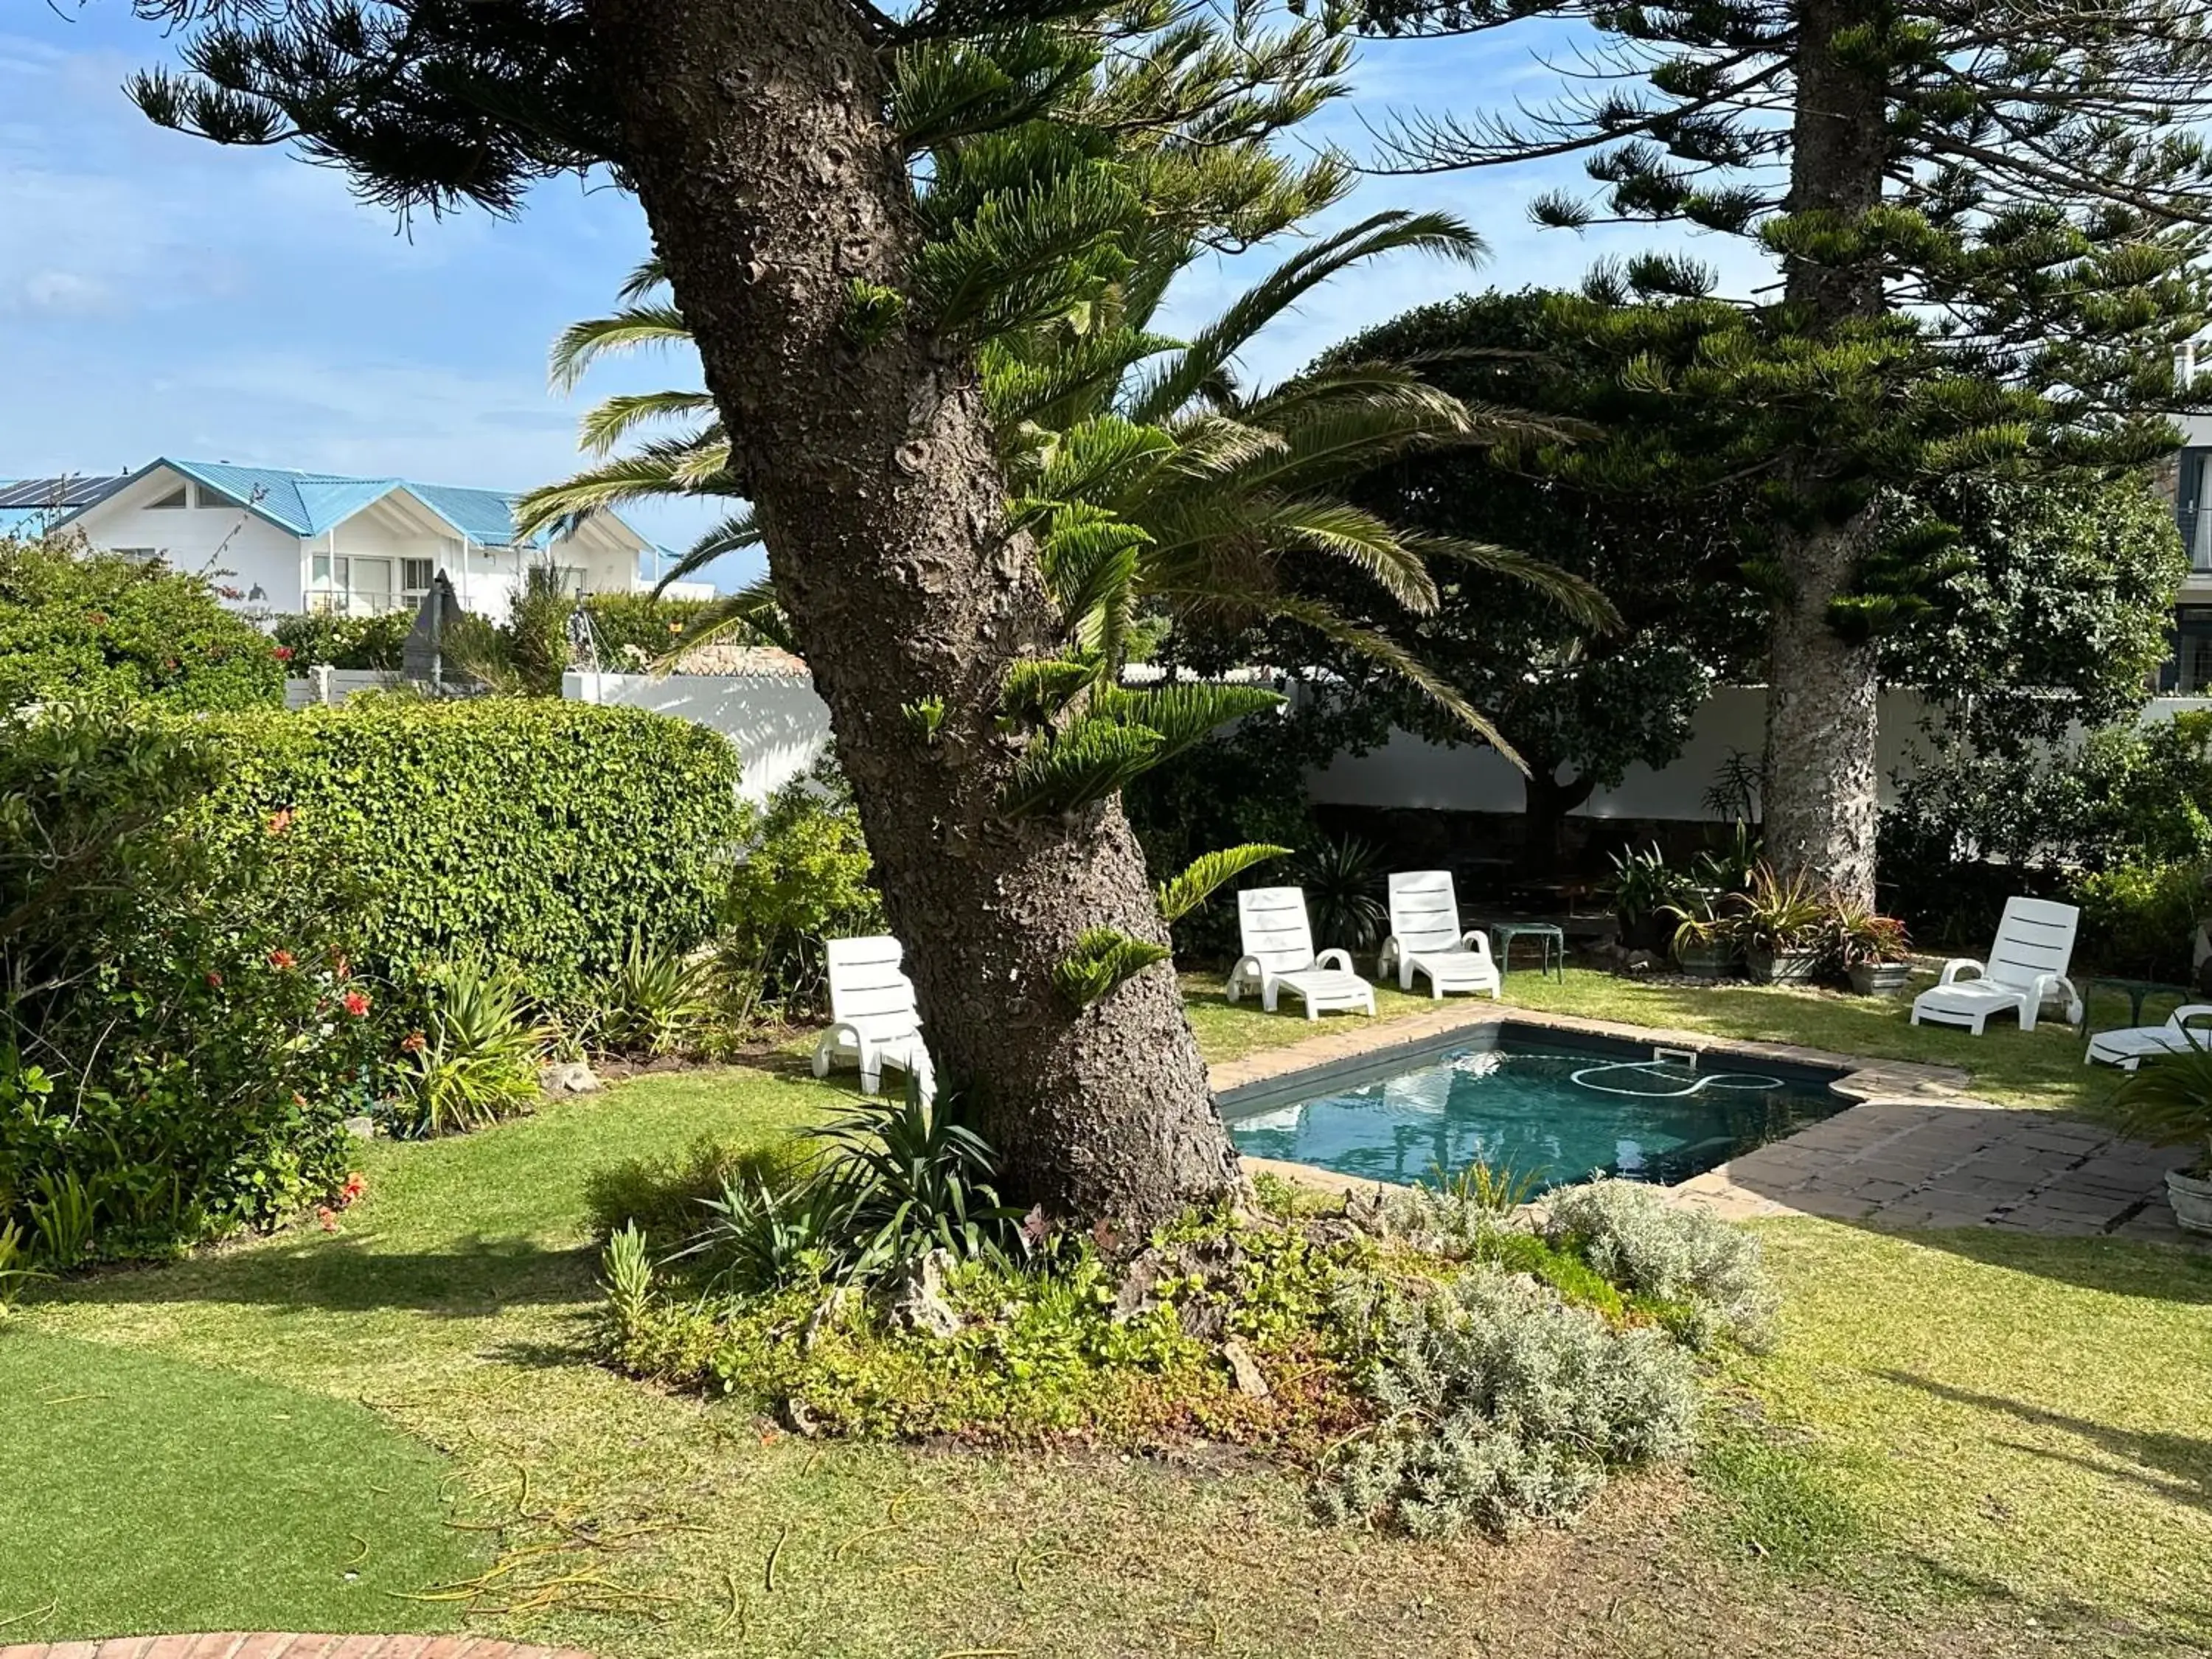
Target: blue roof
pixel 310 503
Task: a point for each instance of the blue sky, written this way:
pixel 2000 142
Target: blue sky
pixel 159 294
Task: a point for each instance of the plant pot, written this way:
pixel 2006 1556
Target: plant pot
pixel 1783 967
pixel 1880 979
pixel 1705 960
pixel 2191 1198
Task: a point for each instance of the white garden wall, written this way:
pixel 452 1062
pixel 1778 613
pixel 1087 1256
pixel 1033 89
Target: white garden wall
pixel 779 726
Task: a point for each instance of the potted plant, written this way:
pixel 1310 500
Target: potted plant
pixel 1704 940
pixel 1870 948
pixel 1777 925
pixel 1643 886
pixel 2167 1100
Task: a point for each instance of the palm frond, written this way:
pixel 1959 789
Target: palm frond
pixel 1581 600
pixel 650 277
pixel 739 530
pixel 581 345
pixel 655 472
pixel 751 610
pixel 608 422
pixel 1356 536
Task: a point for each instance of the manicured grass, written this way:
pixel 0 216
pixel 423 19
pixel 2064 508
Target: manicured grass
pixel 146 1493
pixel 2004 1415
pixel 458 1306
pixel 2042 1067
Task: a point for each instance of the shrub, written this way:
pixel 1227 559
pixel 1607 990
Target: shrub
pixel 77 625
pixel 1675 1254
pixel 2141 919
pixel 635 630
pixel 536 836
pixel 475 1060
pixel 364 643
pixel 180 1032
pixel 804 878
pixel 1503 1408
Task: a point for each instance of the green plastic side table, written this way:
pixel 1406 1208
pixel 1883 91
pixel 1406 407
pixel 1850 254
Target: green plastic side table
pixel 1551 934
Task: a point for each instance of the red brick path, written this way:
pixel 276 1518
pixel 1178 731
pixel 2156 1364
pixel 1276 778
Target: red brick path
pixel 287 1645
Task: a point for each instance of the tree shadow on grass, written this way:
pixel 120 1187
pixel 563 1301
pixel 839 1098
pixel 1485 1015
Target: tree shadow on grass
pixel 472 1278
pixel 2177 1466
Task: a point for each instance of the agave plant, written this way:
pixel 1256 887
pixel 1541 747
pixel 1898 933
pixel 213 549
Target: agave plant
pixel 1342 879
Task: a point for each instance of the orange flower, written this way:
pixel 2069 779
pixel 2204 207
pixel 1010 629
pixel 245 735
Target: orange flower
pixel 282 959
pixel 412 1044
pixel 354 1003
pixel 280 820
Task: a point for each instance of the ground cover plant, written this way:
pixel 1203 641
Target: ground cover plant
pixel 1848 1515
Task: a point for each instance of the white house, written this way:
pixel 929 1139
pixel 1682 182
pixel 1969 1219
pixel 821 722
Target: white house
pixel 274 540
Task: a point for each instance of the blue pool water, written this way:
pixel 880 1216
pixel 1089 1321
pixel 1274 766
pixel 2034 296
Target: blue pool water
pixel 1556 1117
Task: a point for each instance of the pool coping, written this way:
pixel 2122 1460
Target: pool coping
pixel 1858 1079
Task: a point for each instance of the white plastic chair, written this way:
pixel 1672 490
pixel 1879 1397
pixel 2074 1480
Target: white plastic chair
pixel 2026 968
pixel 874 1021
pixel 1278 955
pixel 2130 1046
pixel 1426 937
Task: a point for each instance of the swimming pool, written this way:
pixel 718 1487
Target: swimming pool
pixel 1534 1101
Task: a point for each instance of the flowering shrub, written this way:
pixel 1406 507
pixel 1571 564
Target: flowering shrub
pixel 178 1047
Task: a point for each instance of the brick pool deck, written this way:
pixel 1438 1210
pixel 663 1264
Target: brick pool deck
pixel 1916 1151
pixel 234 1645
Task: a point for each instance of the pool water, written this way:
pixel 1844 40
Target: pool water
pixel 1554 1117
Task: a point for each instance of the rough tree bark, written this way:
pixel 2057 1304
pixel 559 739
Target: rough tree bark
pixel 1820 798
pixel 1545 805
pixel 754 137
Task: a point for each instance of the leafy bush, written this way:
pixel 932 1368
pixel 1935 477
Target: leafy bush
pixel 77 625
pixel 1632 1235
pixel 635 630
pixel 803 879
pixel 180 1032
pixel 363 643
pixel 2141 919
pixel 475 1060
pixel 1501 1406
pixel 535 835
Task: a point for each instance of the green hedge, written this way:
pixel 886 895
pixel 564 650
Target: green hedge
pixel 639 623
pixel 539 834
pixel 373 643
pixel 76 624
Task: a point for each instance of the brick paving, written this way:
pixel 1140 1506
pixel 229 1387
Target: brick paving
pixel 1918 1151
pixel 238 1645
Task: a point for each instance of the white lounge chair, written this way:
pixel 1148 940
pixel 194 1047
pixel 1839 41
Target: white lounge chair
pixel 1426 937
pixel 2026 968
pixel 2131 1045
pixel 1278 955
pixel 874 1021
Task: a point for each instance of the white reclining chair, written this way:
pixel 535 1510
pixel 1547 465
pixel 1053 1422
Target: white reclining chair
pixel 873 1019
pixel 1426 937
pixel 1278 955
pixel 2131 1045
pixel 2026 968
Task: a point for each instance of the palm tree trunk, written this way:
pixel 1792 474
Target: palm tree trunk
pixel 754 137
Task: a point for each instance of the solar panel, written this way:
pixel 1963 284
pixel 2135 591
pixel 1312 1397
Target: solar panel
pixel 62 493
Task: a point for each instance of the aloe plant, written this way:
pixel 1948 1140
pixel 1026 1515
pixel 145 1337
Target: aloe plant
pixel 2167 1100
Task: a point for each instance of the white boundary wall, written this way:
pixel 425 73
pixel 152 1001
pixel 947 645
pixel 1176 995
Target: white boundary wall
pixel 779 724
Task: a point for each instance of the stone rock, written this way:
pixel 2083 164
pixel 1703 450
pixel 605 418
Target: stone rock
pixel 360 1129
pixel 568 1077
pixel 921 1305
pixel 1244 1370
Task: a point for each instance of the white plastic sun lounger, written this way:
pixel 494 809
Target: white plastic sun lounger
pixel 2026 968
pixel 874 1021
pixel 2131 1045
pixel 1426 937
pixel 1279 957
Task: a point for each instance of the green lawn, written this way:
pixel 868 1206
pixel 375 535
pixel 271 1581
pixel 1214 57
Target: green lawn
pixel 1987 1446
pixel 2042 1067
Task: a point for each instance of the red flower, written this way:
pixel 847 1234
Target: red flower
pixel 213 978
pixel 282 959
pixel 354 1003
pixel 280 820
pixel 412 1044
pixel 356 1185
pixel 283 653
pixel 328 1217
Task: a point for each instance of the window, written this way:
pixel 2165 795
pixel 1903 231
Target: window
pixel 2192 671
pixel 176 497
pixel 213 499
pixel 415 576
pixel 343 586
pixel 139 555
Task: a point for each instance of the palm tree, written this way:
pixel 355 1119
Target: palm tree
pixel 1152 479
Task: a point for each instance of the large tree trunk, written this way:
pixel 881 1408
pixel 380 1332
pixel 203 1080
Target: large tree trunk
pixel 1545 805
pixel 1820 798
pixel 1820 794
pixel 755 139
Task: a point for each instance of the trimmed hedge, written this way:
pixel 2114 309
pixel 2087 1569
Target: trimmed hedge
pixel 539 834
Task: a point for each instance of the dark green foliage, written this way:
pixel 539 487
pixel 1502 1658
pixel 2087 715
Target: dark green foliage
pixel 2140 920
pixel 2167 1100
pixel 75 625
pixel 181 1031
pixel 1342 876
pixel 539 836
pixel 474 1060
pixel 636 629
pixel 526 655
pixel 377 643
pixel 803 878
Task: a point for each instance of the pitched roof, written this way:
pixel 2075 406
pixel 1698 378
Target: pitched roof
pixel 310 503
